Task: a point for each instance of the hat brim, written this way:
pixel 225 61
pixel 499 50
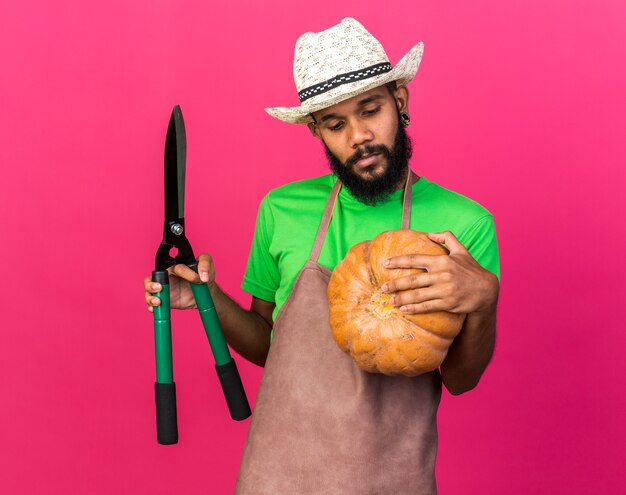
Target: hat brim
pixel 402 73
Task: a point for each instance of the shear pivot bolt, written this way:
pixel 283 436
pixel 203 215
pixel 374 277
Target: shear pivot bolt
pixel 177 229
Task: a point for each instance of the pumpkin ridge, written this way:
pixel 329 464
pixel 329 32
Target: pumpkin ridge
pixel 425 332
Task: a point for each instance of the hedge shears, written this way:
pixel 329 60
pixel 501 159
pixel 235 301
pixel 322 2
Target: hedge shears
pixel 174 238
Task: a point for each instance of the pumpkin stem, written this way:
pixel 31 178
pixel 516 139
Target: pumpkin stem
pixel 380 304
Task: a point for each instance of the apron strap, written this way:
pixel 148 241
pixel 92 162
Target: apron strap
pixel 328 212
pixel 406 202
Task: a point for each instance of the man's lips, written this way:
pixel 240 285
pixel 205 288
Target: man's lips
pixel 367 160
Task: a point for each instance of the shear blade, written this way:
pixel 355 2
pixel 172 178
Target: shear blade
pixel 175 157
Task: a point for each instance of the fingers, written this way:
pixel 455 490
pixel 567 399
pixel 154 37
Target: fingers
pixel 151 286
pixel 151 289
pixel 410 282
pixel 204 266
pixel 425 297
pixel 424 261
pixel 151 300
pixel 183 271
pixel 449 239
pixel 431 306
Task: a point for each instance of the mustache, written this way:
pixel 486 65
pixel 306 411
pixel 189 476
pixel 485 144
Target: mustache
pixel 368 149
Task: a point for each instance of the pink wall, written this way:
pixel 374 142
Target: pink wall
pixel 519 105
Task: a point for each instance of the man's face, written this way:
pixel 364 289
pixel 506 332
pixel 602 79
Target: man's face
pixel 366 146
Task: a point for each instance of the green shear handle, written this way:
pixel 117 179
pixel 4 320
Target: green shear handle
pixel 164 387
pixel 224 364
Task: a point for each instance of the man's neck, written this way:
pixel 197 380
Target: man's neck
pixel 403 181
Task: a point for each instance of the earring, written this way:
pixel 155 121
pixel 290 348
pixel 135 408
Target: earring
pixel 406 120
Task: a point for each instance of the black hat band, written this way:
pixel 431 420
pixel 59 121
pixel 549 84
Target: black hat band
pixel 348 77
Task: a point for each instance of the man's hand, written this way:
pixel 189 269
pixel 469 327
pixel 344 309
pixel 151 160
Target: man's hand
pixel 454 283
pixel 181 296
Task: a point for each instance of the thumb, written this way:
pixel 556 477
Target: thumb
pixel 449 239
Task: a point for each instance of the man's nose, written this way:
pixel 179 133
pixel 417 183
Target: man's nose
pixel 360 134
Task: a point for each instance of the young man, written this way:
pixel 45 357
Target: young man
pixel 320 424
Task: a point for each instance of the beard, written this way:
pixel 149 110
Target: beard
pixel 375 190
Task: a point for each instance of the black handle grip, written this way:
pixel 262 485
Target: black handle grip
pixel 233 390
pixel 167 429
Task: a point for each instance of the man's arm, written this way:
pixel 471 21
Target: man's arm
pixel 247 332
pixel 472 349
pixel 458 284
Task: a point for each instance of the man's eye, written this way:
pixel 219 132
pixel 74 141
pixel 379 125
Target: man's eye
pixel 372 111
pixel 336 127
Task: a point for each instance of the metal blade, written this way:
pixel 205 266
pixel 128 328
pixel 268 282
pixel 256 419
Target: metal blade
pixel 175 156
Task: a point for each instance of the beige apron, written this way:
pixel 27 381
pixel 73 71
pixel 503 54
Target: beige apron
pixel 323 426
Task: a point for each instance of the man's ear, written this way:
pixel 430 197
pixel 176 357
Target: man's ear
pixel 401 95
pixel 314 129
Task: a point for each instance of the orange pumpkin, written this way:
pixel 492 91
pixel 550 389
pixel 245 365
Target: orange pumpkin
pixel 378 336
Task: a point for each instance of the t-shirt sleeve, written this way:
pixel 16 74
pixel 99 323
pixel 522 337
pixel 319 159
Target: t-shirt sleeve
pixel 262 278
pixel 481 242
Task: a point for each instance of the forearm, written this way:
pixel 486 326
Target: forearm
pixel 470 351
pixel 245 331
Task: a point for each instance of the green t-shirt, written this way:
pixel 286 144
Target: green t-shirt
pixel 289 216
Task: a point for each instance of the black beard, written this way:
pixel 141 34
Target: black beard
pixel 376 190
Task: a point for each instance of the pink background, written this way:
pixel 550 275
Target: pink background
pixel 518 105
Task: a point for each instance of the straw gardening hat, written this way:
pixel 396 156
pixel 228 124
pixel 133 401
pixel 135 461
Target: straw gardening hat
pixel 339 63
